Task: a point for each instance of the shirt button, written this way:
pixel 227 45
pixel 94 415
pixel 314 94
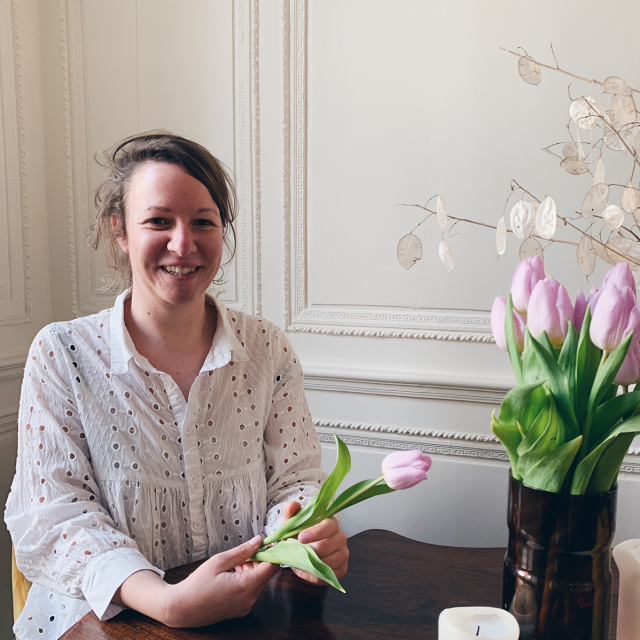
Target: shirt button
pixel 196 525
pixel 193 479
pixel 188 430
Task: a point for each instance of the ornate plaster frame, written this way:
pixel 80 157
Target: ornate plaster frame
pixel 16 308
pixel 300 315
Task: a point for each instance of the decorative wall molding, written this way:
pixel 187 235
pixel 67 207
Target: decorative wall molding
pixel 12 368
pixel 255 158
pixel 15 294
pixel 71 222
pixel 447 443
pixel 8 422
pixel 83 296
pixel 427 386
pixel 286 158
pixel 437 442
pixel 300 313
pixel 86 297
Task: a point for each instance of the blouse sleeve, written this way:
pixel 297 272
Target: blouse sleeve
pixel 64 538
pixel 291 445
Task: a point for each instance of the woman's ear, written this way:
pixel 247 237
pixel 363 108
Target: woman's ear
pixel 118 232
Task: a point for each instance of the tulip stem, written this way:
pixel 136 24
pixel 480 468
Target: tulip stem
pixel 320 517
pixel 357 494
pixel 605 355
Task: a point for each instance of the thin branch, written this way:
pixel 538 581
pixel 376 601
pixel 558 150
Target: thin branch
pixel 572 75
pixel 480 224
pixel 554 55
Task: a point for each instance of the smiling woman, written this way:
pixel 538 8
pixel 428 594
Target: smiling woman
pixel 162 148
pixel 165 430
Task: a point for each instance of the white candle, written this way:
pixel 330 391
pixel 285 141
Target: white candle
pixel 627 557
pixel 471 623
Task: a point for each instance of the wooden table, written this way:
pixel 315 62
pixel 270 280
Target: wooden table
pixel 396 589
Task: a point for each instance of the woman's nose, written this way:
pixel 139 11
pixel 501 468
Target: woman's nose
pixel 182 240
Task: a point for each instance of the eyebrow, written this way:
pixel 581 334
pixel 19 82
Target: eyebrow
pixel 169 210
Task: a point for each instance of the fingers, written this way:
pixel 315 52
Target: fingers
pixel 337 560
pixel 290 510
pixel 229 559
pixel 325 529
pixel 330 545
pixel 258 574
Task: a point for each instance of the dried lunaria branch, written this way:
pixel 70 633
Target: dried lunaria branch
pixel 612 231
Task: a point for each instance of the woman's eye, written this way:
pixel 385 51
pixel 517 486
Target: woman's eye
pixel 206 223
pixel 157 221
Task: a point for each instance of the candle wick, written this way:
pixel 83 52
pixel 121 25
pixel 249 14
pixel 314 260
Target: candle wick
pixel 478 631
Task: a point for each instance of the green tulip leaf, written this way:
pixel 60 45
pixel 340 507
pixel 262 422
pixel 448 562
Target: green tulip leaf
pixel 531 451
pixel 510 436
pixel 606 472
pixel 543 340
pixel 602 384
pixel 549 472
pixel 300 556
pixel 588 359
pixel 293 524
pixel 533 368
pixel 567 358
pixel 538 427
pixel 331 484
pixel 512 343
pixel 523 404
pixel 612 392
pixel 583 476
pixel 316 509
pixel 610 412
pixel 568 428
pixel 607 373
pixel 346 499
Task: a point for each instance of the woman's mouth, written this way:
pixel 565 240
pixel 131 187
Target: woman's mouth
pixel 179 271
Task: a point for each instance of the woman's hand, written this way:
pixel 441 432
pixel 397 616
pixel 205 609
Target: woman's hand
pixel 210 594
pixel 326 539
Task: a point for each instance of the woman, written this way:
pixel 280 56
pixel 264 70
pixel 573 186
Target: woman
pixel 165 430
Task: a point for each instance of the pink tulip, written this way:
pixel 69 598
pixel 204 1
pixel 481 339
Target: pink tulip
pixel 621 276
pixel 629 371
pixel 405 469
pixel 579 310
pixel 592 300
pixel 615 317
pixel 550 310
pixel 527 274
pixel 582 304
pixel 498 314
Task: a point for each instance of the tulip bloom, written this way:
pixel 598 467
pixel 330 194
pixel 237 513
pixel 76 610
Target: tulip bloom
pixel 629 371
pixel 615 316
pixel 405 469
pixel 498 314
pixel 550 310
pixel 579 310
pixel 621 276
pixel 527 274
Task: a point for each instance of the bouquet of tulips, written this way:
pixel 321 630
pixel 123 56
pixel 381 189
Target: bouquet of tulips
pixel 400 470
pixel 570 421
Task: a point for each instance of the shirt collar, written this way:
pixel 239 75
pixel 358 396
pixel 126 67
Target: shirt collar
pixel 224 347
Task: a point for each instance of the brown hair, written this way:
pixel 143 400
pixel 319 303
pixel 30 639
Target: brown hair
pixel 122 161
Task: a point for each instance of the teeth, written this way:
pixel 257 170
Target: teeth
pixel 180 271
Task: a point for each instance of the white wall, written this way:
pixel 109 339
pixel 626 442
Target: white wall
pixel 330 113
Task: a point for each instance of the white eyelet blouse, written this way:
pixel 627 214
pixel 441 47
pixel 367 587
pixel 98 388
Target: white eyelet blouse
pixel 116 472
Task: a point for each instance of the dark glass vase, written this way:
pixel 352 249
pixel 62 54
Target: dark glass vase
pixel 557 569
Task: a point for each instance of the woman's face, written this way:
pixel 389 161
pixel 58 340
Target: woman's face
pixel 174 234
